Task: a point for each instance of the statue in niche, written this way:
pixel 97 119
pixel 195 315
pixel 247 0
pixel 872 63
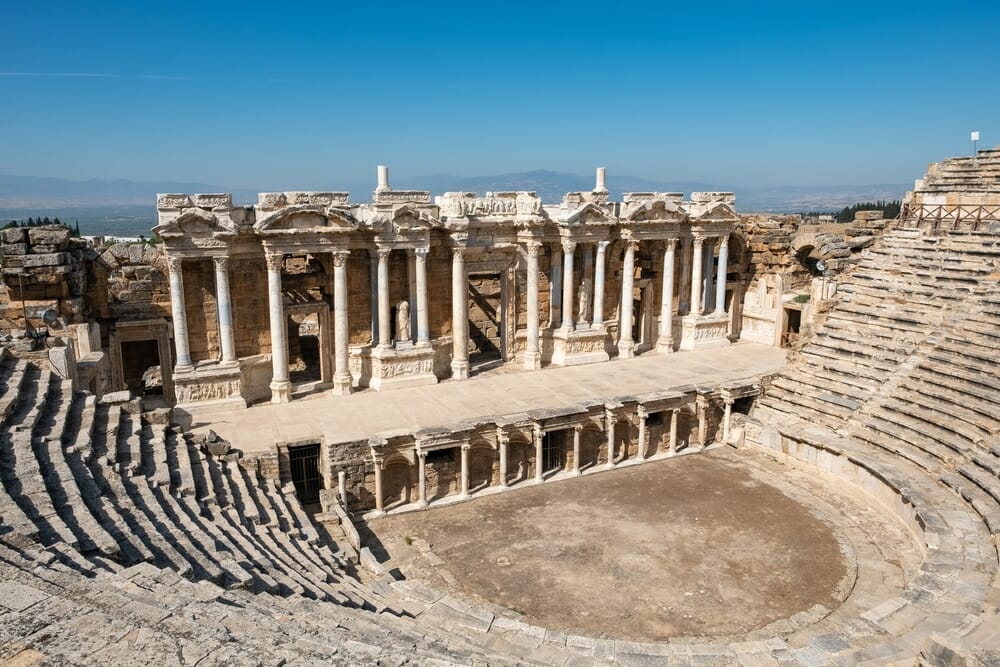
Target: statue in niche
pixel 403 321
pixel 583 301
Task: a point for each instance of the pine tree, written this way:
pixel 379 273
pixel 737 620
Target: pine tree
pixel 31 222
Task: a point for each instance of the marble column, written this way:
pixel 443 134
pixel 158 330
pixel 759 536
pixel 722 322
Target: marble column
pixel 674 414
pixel 465 471
pixel 379 506
pixel 720 283
pixel 341 354
pixel 577 431
pixel 422 477
pixel 532 353
pixel 423 324
pixel 696 256
pixel 665 343
pixel 459 316
pixel 626 346
pixel 373 296
pixel 342 487
pixel 281 388
pixel 726 417
pixel 384 312
pixel 641 413
pixel 708 296
pixel 701 403
pixel 539 472
pixel 555 286
pixel 569 247
pixel 684 292
pixel 179 314
pixel 609 425
pixel 502 444
pixel 598 318
pixel 224 305
pixel 587 281
pixel 411 281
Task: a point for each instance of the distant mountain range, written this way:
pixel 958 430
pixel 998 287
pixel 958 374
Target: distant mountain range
pixel 127 208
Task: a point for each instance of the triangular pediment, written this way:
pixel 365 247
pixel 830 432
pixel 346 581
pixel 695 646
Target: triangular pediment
pixel 408 217
pixel 655 210
pixel 588 214
pixel 716 211
pixel 192 222
pixel 306 219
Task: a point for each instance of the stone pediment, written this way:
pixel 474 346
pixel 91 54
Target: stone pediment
pixel 713 211
pixel 306 219
pixel 588 214
pixel 655 209
pixel 192 222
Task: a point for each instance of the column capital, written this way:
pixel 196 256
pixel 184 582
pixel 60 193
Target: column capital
pixel 728 401
pixel 675 411
pixel 631 244
pixel 458 253
pixel 274 260
pixel 174 263
pixel 724 241
pixel 641 412
pixel 383 253
pixel 568 245
pixel 578 428
pixel 670 243
pixel 379 462
pixel 340 257
pixel 422 453
pixel 532 247
pixel 699 239
pixel 603 245
pixel 221 262
pixel 466 447
pixel 421 253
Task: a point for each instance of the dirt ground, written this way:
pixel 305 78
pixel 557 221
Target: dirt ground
pixel 690 546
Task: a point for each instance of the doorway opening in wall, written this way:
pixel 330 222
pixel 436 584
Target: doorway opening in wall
pixel 141 367
pixel 485 322
pixel 304 349
pixel 742 405
pixel 552 451
pixel 793 321
pixel 303 464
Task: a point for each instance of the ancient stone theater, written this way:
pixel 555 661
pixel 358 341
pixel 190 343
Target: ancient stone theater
pixel 489 429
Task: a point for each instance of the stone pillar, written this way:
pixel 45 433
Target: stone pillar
pixel 538 454
pixel 577 430
pixel 411 280
pixel 609 426
pixel 465 471
pixel 423 324
pixel 696 256
pixel 281 388
pixel 459 316
pixel 227 338
pixel 567 299
pixel 665 343
pixel 384 314
pixel 598 318
pixel 555 286
pixel 708 297
pixel 341 353
pixel 585 318
pixel 673 429
pixel 373 296
pixel 702 403
pixel 684 293
pixel 379 507
pixel 502 444
pixel 532 353
pixel 422 477
pixel 641 413
pixel 727 416
pixel 720 284
pixel 342 487
pixel 625 343
pixel 179 314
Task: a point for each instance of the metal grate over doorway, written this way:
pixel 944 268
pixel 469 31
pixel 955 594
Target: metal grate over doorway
pixel 303 463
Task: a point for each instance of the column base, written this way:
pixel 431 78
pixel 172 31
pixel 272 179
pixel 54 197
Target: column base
pixel 422 504
pixel 703 331
pixel 342 384
pixel 532 360
pixel 459 369
pixel 665 345
pixel 626 349
pixel 281 391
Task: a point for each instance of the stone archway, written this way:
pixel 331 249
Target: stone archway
pixel 397 483
pixel 482 464
pixel 519 460
pixel 591 441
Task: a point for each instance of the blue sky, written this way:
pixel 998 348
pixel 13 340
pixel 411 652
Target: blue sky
pixel 307 95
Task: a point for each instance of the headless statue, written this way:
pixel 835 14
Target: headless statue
pixel 403 321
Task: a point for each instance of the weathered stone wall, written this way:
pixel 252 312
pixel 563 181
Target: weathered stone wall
pixel 248 286
pixel 133 283
pixel 200 309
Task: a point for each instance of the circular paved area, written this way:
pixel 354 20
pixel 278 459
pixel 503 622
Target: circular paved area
pixel 701 545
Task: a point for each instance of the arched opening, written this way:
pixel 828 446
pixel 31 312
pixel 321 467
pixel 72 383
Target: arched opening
pixel 397 484
pixel 519 459
pixel 591 441
pixel 481 467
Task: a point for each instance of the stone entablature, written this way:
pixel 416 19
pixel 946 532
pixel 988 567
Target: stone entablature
pixel 404 239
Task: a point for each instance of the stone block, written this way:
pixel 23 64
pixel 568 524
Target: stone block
pixel 14 235
pixel 37 261
pixel 55 235
pixel 15 248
